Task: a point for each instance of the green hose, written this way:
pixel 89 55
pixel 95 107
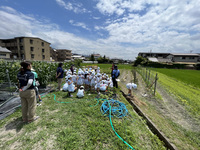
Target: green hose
pixel 114 129
pixel 109 117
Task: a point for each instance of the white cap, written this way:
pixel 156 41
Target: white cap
pixel 134 85
pixel 69 76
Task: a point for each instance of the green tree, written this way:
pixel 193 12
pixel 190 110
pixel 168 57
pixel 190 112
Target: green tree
pixel 140 61
pixel 92 58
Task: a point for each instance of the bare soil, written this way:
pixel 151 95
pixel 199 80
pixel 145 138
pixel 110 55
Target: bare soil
pixel 167 107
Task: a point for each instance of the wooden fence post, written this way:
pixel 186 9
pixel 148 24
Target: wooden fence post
pixel 146 75
pixel 156 78
pixel 149 78
pixel 134 76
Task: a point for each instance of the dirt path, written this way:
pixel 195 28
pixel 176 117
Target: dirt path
pixel 168 106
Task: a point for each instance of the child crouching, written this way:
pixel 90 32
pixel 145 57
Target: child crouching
pixel 130 86
pixel 71 87
pixel 81 92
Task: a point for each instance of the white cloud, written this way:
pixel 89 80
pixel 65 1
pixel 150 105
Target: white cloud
pixel 166 25
pixel 76 7
pixel 132 27
pixel 14 25
pixel 79 24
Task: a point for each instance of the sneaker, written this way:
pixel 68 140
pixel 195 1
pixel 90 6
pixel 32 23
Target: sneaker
pixel 38 104
pixel 36 117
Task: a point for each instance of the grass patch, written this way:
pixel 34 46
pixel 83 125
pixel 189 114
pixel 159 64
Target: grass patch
pixel 76 125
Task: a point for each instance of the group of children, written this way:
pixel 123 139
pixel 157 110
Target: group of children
pixel 86 79
pixel 89 79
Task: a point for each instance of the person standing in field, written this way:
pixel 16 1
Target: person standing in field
pixel 115 74
pixel 27 92
pixel 72 69
pixel 36 84
pixel 59 75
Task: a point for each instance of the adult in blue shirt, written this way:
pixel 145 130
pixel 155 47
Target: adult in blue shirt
pixel 115 74
pixel 59 75
pixel 27 92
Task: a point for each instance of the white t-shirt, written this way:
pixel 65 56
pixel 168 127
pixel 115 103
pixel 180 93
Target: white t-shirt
pixel 80 93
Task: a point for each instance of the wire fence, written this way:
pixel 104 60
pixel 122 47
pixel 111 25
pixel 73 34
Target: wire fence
pixel 149 77
pixel 7 87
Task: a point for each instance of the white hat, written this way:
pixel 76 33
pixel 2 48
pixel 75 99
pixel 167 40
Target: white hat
pixel 98 74
pixel 82 87
pixel 134 85
pixel 69 76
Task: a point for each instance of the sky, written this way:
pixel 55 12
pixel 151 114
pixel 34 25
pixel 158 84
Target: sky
pixel 114 28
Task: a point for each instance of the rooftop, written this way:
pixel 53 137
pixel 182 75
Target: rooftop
pixel 4 50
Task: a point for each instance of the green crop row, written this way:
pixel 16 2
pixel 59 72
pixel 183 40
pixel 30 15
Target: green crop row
pixel 46 71
pixel 186 94
pixel 191 77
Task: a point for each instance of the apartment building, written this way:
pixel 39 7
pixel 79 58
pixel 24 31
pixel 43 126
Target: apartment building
pixel 27 48
pixel 53 54
pixel 63 54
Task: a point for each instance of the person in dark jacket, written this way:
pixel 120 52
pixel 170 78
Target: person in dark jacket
pixel 115 74
pixel 59 75
pixel 27 92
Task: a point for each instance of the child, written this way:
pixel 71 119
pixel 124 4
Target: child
pixel 71 87
pixel 81 92
pixel 98 80
pixel 86 80
pixel 92 82
pixel 65 86
pixel 130 86
pixel 36 84
pixel 79 79
pixel 103 86
pixel 74 77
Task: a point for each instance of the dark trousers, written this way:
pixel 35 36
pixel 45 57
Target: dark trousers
pixel 114 82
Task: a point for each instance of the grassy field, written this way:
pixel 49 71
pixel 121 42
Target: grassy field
pixel 183 93
pixel 191 77
pixel 107 67
pixel 76 124
pixel 181 83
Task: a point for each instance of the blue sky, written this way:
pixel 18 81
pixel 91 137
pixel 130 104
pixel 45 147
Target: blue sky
pixel 115 28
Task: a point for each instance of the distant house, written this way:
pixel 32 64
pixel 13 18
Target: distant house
pixel 191 58
pixel 77 56
pixel 4 53
pixel 96 56
pixel 171 57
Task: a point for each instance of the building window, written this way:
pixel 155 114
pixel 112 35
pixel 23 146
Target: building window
pixel 182 57
pixel 21 48
pixel 43 56
pixel 22 56
pixel 191 57
pixel 20 40
pixel 43 50
pixel 2 54
pixel 42 43
pixel 32 55
pixel 32 49
pixel 31 41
